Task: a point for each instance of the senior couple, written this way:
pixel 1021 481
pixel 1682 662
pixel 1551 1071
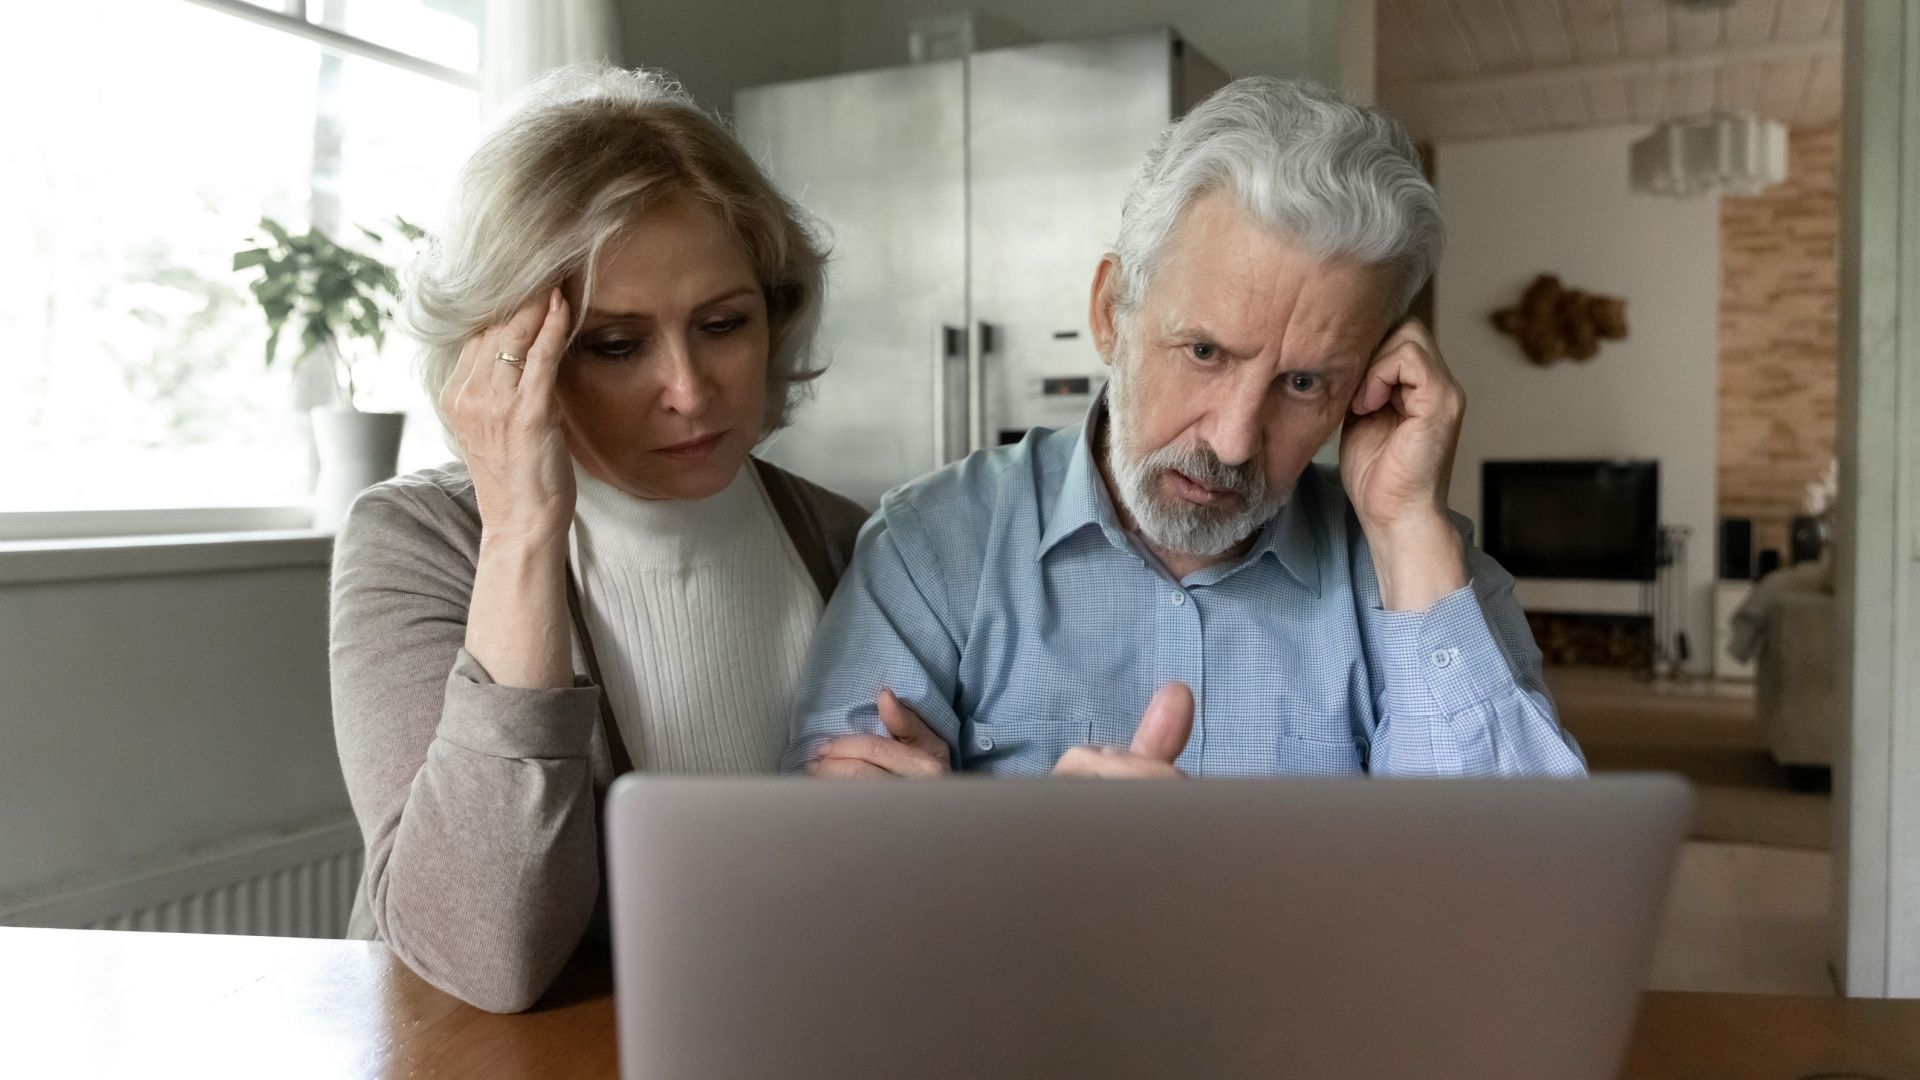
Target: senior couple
pixel 620 310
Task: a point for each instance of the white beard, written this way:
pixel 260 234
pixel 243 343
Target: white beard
pixel 1167 521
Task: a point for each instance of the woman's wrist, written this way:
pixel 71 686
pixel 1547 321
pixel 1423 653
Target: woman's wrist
pixel 517 626
pixel 523 544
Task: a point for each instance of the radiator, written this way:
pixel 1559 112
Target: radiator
pixel 297 885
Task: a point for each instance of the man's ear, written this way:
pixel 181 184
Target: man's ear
pixel 1100 313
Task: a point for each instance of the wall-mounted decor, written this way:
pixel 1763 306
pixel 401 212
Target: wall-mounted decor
pixel 1552 321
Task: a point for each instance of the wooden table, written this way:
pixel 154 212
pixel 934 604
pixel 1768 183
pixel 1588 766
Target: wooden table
pixel 84 1003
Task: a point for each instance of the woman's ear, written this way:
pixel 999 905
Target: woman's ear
pixel 1100 307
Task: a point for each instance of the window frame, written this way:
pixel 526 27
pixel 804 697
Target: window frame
pixel 89 525
pixel 43 528
pixel 294 21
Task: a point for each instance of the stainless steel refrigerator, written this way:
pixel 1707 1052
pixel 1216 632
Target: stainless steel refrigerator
pixel 967 203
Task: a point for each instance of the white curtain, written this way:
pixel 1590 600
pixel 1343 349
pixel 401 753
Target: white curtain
pixel 526 37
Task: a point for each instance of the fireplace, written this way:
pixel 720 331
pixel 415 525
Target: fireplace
pixel 1575 639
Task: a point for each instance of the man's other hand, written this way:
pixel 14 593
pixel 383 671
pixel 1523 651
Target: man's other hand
pixel 1157 743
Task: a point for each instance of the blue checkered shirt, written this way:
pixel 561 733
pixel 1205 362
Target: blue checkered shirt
pixel 1001 600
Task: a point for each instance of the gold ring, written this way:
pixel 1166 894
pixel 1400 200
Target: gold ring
pixel 509 358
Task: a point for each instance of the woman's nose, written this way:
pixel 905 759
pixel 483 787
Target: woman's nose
pixel 686 391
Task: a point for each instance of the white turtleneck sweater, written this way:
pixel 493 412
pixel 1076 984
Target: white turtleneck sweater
pixel 701 612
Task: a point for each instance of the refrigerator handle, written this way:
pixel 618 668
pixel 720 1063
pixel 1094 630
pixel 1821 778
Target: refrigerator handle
pixel 949 344
pixel 985 340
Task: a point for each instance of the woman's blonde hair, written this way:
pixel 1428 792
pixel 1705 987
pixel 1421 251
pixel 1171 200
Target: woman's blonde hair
pixel 579 156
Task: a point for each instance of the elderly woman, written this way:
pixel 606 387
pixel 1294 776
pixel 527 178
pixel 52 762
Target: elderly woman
pixel 618 313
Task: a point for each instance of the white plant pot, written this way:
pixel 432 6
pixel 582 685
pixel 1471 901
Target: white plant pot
pixel 357 450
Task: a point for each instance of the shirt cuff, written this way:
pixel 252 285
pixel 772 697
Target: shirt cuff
pixel 513 722
pixel 1441 660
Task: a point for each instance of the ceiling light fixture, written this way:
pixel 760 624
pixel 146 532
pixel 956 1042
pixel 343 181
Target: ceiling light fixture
pixel 1715 153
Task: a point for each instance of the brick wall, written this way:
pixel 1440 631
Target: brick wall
pixel 1779 329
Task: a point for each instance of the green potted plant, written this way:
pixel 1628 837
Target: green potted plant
pixel 329 303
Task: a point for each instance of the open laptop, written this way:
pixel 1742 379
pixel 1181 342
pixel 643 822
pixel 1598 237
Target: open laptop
pixel 1070 928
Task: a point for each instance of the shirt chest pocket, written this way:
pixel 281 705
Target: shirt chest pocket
pixel 1024 724
pixel 1318 738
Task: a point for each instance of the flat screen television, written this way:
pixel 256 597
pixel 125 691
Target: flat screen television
pixel 1595 520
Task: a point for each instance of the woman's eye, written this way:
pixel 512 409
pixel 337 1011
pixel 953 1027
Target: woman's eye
pixel 614 349
pixel 1301 383
pixel 725 326
pixel 1205 352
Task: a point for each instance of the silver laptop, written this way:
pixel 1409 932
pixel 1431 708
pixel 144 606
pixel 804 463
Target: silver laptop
pixel 1073 928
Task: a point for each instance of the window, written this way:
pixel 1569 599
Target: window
pixel 145 140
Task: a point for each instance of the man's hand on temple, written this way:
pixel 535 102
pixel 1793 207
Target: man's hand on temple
pixel 1396 457
pixel 1157 743
pixel 909 749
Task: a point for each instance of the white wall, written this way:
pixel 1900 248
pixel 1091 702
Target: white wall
pixel 1560 204
pixel 1245 37
pixel 716 48
pixel 147 717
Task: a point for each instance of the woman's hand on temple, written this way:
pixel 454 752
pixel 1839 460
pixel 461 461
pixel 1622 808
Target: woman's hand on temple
pixel 506 418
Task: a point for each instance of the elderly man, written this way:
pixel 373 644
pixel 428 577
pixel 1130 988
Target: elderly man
pixel 1173 586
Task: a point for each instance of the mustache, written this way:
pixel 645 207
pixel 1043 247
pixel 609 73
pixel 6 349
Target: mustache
pixel 1201 464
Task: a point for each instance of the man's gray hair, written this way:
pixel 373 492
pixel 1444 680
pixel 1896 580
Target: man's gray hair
pixel 1341 179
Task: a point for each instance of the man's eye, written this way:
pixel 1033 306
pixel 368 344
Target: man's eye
pixel 1302 383
pixel 1205 352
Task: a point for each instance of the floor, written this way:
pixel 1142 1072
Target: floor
pixel 1742 918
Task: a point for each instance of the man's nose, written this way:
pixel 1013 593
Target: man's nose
pixel 1238 421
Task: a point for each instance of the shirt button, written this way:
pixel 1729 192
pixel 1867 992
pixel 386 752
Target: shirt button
pixel 1444 658
pixel 1178 598
pixel 983 742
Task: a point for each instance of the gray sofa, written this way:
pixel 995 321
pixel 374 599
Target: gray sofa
pixel 1787 628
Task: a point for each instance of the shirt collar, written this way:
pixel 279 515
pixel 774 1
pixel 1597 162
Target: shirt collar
pixel 1083 501
pixel 1290 537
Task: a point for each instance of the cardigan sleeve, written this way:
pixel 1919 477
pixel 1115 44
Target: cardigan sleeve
pixel 475 800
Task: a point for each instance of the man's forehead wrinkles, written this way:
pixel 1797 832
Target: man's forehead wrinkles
pixel 1230 284
pixel 1265 330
